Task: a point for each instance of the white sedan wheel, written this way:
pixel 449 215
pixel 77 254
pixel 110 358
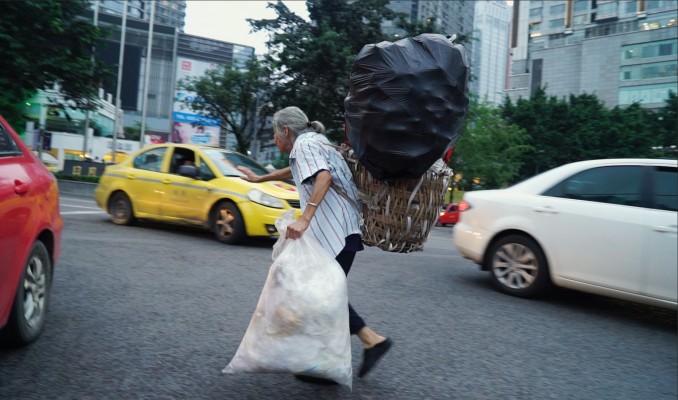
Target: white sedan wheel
pixel 518 266
pixel 515 266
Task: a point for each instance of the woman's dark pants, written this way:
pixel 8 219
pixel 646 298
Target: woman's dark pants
pixel 355 322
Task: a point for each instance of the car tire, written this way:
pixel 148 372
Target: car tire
pixel 121 210
pixel 228 225
pixel 27 318
pixel 438 223
pixel 518 266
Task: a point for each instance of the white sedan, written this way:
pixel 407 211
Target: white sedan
pixel 608 227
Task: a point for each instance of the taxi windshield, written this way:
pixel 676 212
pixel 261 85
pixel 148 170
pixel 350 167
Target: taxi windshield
pixel 227 161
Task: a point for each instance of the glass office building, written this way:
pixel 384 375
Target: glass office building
pixel 624 51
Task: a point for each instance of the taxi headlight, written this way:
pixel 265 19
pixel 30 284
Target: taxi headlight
pixel 262 198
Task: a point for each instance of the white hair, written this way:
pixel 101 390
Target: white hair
pixel 295 119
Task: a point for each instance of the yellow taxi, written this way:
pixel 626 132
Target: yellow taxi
pixel 195 185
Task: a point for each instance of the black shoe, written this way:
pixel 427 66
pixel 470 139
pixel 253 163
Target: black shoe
pixel 372 355
pixel 317 381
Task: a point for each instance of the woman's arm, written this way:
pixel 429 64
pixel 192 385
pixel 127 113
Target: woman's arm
pixel 323 181
pixel 279 175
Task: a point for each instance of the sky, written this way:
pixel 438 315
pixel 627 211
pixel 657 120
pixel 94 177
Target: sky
pixel 226 20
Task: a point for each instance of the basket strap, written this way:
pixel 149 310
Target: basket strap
pixel 353 203
pixel 342 193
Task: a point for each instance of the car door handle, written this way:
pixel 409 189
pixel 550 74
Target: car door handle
pixel 20 187
pixel 545 209
pixel 666 229
pixel 130 176
pixel 167 181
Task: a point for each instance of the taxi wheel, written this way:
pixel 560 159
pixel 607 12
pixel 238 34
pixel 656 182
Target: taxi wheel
pixel 120 208
pixel 229 226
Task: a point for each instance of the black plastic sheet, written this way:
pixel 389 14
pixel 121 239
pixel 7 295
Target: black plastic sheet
pixel 406 103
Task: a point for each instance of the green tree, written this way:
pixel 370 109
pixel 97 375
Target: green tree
pixel 312 60
pixel 239 98
pixel 133 132
pixel 580 127
pixel 47 42
pixel 544 120
pixel 489 149
pixel 663 123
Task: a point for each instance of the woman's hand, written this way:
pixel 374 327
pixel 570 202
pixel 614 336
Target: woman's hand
pixel 249 175
pixel 296 229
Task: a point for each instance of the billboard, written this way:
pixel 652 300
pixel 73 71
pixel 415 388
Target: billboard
pixel 189 127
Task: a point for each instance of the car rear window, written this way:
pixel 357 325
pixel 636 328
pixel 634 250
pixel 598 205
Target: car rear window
pixel 666 188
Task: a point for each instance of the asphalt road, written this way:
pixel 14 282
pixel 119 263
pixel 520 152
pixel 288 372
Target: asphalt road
pixel 156 312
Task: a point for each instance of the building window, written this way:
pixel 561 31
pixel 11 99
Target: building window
pixel 557 23
pixel 631 6
pixel 580 19
pixel 653 4
pixel 557 9
pixel 645 94
pixel 581 5
pixel 666 49
pixel 535 12
pixel 607 9
pixel 649 71
pixel 647 50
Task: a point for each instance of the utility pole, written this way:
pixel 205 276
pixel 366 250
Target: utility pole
pixel 149 52
pixel 117 91
pixel 85 143
pixel 42 123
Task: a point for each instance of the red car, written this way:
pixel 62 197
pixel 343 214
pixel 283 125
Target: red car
pixel 30 238
pixel 449 214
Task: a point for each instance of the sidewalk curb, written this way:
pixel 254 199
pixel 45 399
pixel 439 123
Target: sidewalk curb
pixel 76 188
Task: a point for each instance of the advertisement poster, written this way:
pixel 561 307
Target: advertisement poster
pixel 157 137
pixel 189 127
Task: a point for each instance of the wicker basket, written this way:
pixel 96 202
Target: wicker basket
pixel 398 216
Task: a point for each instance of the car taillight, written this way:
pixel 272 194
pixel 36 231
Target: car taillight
pixel 464 205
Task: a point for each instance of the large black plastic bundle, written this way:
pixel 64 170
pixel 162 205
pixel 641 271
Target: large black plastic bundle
pixel 406 102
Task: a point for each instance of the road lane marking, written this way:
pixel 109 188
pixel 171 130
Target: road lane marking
pixel 72 206
pixel 81 212
pixel 62 198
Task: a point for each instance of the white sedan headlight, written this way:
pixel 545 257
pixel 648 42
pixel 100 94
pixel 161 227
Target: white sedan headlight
pixel 262 198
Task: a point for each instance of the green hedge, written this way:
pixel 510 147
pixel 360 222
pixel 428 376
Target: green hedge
pixel 78 178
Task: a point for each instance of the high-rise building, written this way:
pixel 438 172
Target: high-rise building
pixel 174 55
pixel 195 56
pixel 490 49
pixel 624 51
pixel 167 12
pixel 486 24
pixel 408 7
pixel 451 17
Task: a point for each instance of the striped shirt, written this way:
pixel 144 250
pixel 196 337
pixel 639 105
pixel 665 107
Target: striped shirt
pixel 336 217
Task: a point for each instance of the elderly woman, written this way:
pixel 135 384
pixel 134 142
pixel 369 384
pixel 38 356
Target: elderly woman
pixel 327 193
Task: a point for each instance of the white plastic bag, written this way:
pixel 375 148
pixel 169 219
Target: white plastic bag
pixel 300 325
